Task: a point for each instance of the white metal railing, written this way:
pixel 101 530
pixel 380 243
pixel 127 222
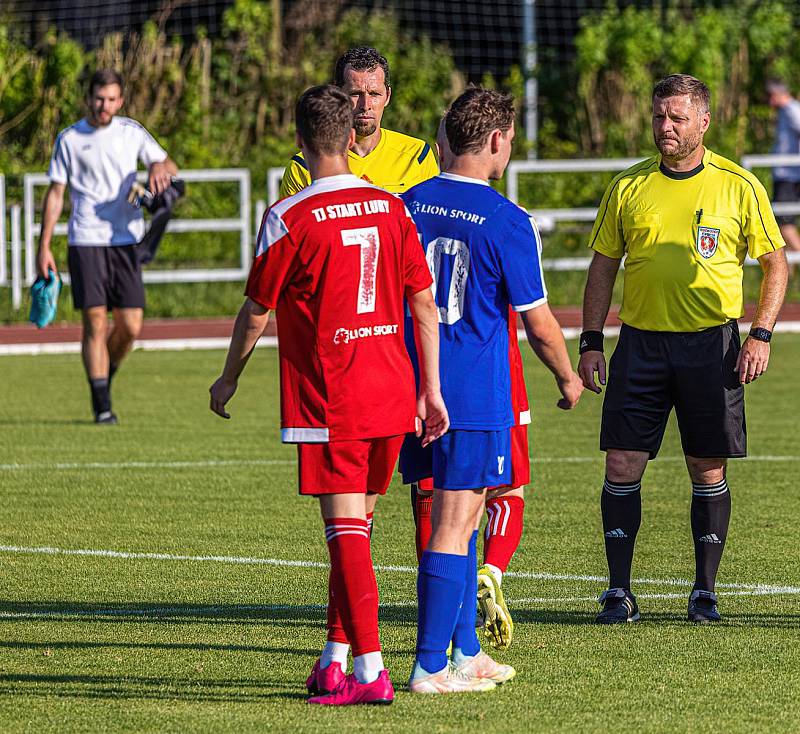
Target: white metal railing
pixel 16 259
pixel 546 218
pixel 580 165
pixel 274 176
pixel 240 224
pixel 3 255
pixel 771 160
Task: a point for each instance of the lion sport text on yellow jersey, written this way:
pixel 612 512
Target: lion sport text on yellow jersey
pixel 397 163
pixel 685 237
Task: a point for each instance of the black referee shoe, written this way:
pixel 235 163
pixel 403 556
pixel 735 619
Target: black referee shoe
pixel 703 607
pixel 106 418
pixel 619 607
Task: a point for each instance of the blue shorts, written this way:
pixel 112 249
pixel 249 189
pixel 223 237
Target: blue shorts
pixel 459 459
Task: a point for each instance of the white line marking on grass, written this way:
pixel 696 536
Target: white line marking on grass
pixel 211 463
pixel 148 345
pixel 219 342
pixel 235 610
pixel 736 588
pixel 223 463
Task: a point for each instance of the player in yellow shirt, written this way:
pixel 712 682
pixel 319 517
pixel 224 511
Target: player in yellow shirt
pixel 386 158
pixel 684 220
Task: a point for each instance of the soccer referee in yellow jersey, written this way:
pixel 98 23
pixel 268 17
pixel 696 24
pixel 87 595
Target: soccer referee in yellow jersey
pixel 684 220
pixel 386 158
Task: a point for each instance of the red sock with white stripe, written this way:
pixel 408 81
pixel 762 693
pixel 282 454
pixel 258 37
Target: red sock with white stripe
pixel 337 648
pixel 503 530
pixel 354 592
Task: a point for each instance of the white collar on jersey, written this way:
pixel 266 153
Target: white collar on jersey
pixel 464 179
pixel 338 179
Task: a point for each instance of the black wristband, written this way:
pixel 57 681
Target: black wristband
pixel 591 341
pixel 763 335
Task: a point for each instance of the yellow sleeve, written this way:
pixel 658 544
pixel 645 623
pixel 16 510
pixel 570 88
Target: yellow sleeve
pixel 758 221
pixel 295 178
pixel 428 165
pixel 607 238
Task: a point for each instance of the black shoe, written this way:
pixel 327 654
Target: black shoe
pixel 106 418
pixel 619 606
pixel 703 607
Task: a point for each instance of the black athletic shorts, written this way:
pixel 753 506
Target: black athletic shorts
pixel 786 191
pixel 653 371
pixel 105 276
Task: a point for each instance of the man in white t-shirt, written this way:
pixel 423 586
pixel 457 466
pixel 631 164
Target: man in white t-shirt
pixel 98 157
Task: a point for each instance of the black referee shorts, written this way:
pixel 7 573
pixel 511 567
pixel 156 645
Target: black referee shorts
pixel 653 371
pixel 105 276
pixel 786 191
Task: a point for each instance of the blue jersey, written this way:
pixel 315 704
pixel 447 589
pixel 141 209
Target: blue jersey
pixel 484 255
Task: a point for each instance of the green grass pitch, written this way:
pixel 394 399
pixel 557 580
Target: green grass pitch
pixel 139 642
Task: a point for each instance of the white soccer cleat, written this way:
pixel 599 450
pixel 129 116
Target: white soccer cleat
pixel 450 680
pixel 483 666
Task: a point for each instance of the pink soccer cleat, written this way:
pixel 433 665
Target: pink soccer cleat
pixel 350 692
pixel 324 680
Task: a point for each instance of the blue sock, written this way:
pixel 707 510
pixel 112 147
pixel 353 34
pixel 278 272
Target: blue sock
pixel 440 589
pixel 465 638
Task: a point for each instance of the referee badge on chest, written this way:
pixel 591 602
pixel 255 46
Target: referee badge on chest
pixel 707 241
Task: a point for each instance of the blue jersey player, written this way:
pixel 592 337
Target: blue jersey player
pixel 482 252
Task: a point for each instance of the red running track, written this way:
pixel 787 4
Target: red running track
pixel 568 316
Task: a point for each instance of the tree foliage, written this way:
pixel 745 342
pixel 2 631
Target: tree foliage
pixel 622 52
pixel 227 101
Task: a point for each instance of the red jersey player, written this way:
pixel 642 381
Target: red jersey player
pixel 336 261
pixel 505 506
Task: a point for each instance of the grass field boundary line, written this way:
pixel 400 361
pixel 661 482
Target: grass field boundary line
pixel 235 610
pixel 218 342
pixel 223 463
pixel 281 562
pixel 148 345
pixel 210 463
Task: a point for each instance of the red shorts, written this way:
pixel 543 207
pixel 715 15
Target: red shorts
pixel 520 462
pixel 348 467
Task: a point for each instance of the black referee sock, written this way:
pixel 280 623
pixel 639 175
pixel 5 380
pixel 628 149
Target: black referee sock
pixel 711 514
pixel 621 506
pixel 101 397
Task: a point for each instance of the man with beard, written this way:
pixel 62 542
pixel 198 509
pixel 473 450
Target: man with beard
pixel 386 158
pixel 685 221
pixel 97 159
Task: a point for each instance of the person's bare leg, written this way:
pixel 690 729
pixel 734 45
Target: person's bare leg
pixel 93 342
pixel 127 326
pixel 95 361
pixel 791 236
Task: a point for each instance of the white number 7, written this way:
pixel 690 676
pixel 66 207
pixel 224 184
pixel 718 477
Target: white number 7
pixel 368 239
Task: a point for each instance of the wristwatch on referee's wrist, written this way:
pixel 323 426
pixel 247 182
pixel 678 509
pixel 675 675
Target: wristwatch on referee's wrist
pixel 763 335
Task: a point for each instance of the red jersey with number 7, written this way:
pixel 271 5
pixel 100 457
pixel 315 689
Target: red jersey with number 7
pixel 335 261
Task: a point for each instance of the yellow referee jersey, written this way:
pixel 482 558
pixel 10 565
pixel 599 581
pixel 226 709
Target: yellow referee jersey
pixel 397 163
pixel 685 237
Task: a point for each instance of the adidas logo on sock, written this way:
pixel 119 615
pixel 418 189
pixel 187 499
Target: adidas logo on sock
pixel 618 533
pixel 710 538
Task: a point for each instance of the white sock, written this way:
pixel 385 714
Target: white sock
pixel 334 652
pixel 368 667
pixel 419 672
pixel 458 657
pixel 496 572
